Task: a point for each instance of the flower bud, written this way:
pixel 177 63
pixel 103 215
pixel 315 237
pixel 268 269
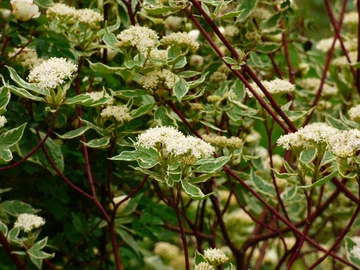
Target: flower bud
pixel 24 10
pixel 196 60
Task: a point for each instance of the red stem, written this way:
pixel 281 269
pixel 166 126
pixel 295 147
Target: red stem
pixel 20 265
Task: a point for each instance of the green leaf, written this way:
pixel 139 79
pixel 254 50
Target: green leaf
pixel 110 28
pixel 110 40
pixel 4 98
pixel 308 155
pixel 127 156
pixel 247 6
pixel 16 207
pixel 289 193
pixel 141 110
pixel 321 181
pixel 229 60
pixel 23 93
pixel 211 165
pixel 74 133
pixel 181 88
pixel 349 246
pixel 267 47
pixel 199 258
pixel 44 3
pixel 130 93
pixel 8 139
pixel 28 86
pixel 327 158
pixel 3 190
pixel 232 14
pixel 40 158
pixel 128 239
pixel 261 185
pixel 3 228
pixel 193 191
pixel 104 69
pixel 98 143
pixel 196 83
pixel 87 100
pixel 164 118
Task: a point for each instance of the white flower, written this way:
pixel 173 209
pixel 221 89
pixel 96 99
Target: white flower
pixel 27 57
pixel 182 39
pixel 342 60
pixel 5 13
pixel 238 217
pixel 173 22
pixel 222 141
pixel 344 143
pixel 351 18
pixel 172 141
pixel 204 266
pixel 159 55
pixel 307 137
pixel 61 12
pixel 140 37
pixel 28 222
pixel 275 87
pixel 166 250
pixel 354 113
pixel 324 45
pixel 52 73
pixel 3 121
pixel 196 60
pixel 313 84
pixel 271 257
pixel 231 31
pixel 215 256
pixel 122 206
pixel 157 79
pixel 24 10
pixel 194 34
pixel 261 13
pixel 356 251
pixel 119 112
pixel 89 17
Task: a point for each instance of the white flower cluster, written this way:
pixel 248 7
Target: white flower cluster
pixel 222 141
pixel 28 222
pixel 159 55
pixel 157 79
pixel 166 250
pixel 344 143
pixel 341 143
pixel 182 39
pixel 61 12
pixel 3 121
pixel 215 256
pixel 24 10
pixel 238 217
pixel 356 251
pixel 173 142
pixel 342 60
pixel 324 45
pixel 27 57
pixel 274 87
pixel 354 113
pixel 261 13
pixel 204 266
pixel 313 85
pixel 307 137
pixel 51 73
pixel 119 112
pixel 143 38
pixel 69 14
pixel 231 31
pixel 351 18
